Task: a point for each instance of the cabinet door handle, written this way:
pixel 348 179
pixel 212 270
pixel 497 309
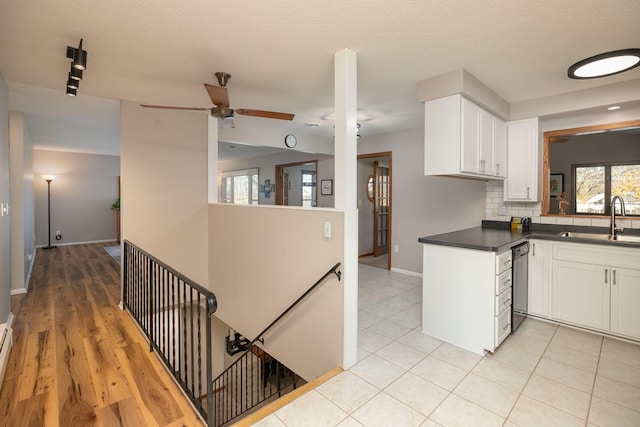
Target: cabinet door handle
pixel 534 249
pixel 527 192
pixel 497 168
pixel 614 276
pixel 606 275
pixel 504 328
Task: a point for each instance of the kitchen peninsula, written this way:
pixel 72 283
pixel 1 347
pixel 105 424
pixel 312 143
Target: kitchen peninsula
pixel 467 282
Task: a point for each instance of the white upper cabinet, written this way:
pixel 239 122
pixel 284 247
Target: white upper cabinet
pixel 524 162
pixel 463 139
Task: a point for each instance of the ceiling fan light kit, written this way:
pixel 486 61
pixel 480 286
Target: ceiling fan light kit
pixel 605 64
pixel 221 109
pixel 78 58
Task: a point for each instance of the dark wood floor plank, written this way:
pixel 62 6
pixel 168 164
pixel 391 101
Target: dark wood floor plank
pixel 70 339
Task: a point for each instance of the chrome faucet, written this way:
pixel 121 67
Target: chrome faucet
pixel 613 230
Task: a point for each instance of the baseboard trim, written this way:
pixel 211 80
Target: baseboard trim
pixel 114 240
pixel 286 399
pixel 19 291
pixel 407 272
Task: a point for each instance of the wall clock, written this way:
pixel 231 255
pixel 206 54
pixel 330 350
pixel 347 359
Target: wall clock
pixel 290 141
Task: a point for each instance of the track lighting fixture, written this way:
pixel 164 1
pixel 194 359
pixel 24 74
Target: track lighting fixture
pixel 73 83
pixel 75 73
pixel 78 55
pixel 78 58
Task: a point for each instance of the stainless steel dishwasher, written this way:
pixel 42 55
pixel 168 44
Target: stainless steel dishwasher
pixel 520 276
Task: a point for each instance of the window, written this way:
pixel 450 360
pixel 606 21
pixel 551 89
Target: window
pixel 240 187
pixel 596 184
pixel 308 188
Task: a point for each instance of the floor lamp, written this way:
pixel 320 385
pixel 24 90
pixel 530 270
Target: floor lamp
pixel 49 178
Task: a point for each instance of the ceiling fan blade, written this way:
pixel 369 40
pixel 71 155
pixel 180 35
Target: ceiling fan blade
pixel 265 114
pixel 167 107
pixel 218 95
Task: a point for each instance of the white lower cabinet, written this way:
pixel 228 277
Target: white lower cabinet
pixel 466 296
pixel 539 295
pixel 596 286
pixel 625 302
pixel 580 294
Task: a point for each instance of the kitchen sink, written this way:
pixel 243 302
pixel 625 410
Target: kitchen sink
pixel 600 236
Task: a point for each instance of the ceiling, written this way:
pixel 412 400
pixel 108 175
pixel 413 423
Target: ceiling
pixel 280 55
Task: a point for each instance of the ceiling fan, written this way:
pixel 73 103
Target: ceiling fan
pixel 220 100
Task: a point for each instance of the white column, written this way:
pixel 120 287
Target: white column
pixel 212 159
pixel 346 152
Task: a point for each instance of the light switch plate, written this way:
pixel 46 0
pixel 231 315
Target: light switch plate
pixel 328 229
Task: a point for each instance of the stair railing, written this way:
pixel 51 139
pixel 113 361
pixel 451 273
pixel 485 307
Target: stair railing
pixel 169 308
pixel 255 377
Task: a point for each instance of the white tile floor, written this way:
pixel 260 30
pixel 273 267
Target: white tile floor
pixel 543 375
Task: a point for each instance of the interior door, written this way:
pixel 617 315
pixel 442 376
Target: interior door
pixel 285 187
pixel 381 208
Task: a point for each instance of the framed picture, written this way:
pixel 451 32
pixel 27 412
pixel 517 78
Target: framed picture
pixel 326 187
pixel 556 184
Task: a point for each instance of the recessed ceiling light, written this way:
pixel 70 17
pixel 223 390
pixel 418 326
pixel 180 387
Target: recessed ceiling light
pixel 605 64
pixel 312 124
pixel 614 107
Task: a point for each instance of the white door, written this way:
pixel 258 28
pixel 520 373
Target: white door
pixel 625 301
pixel 581 293
pixel 471 113
pixel 540 278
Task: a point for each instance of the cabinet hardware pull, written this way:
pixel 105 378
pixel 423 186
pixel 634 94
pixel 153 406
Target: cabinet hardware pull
pixel 534 249
pixel 497 168
pixel 527 192
pixel 504 328
pixel 614 276
pixel 606 275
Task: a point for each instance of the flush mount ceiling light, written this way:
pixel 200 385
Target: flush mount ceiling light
pixel 605 64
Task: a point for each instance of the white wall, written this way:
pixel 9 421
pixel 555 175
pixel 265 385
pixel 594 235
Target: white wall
pixel 85 187
pixel 164 186
pixel 423 205
pixel 22 203
pixel 263 258
pixel 5 224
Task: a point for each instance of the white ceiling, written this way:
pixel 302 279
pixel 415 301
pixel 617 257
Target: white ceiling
pixel 280 54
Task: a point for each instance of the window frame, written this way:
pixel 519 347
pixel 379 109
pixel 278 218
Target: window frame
pixel 249 173
pixel 607 183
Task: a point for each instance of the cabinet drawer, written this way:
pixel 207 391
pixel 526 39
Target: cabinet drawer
pixel 503 301
pixel 503 326
pixel 503 262
pixel 597 254
pixel 503 281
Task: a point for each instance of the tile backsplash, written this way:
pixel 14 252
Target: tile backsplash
pixel 499 210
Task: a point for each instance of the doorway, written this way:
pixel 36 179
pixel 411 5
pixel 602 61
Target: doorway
pixel 375 209
pixel 296 184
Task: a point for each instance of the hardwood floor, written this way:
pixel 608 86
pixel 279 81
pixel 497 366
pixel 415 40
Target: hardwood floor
pixel 78 360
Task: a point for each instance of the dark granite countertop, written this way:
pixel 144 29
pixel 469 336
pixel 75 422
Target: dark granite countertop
pixel 497 236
